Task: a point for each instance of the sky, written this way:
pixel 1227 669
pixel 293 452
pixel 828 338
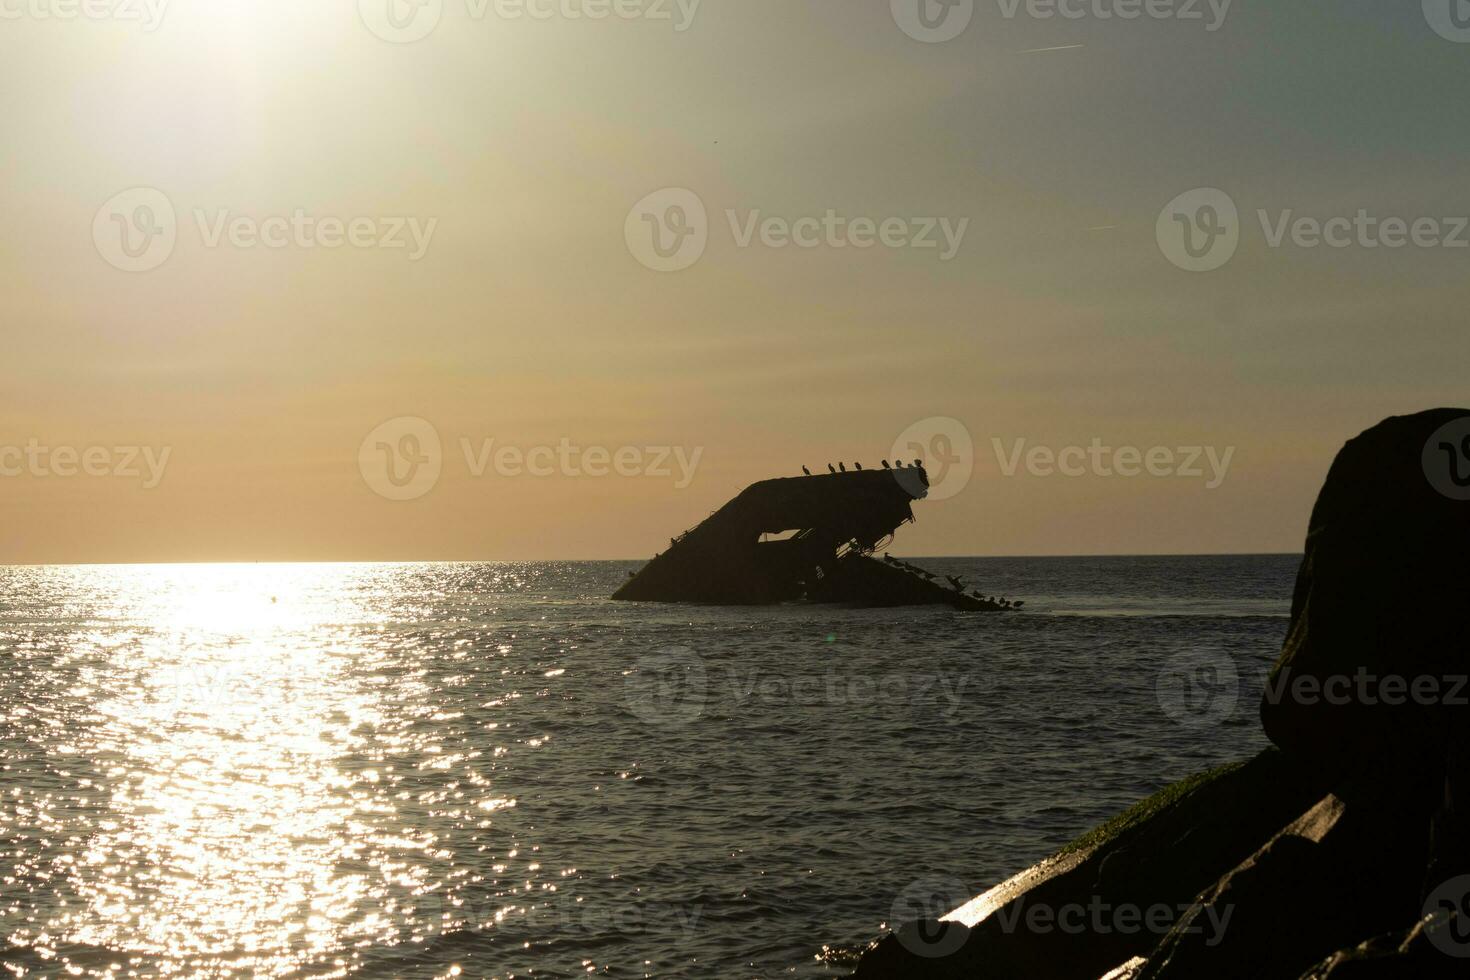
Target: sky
pixel 503 280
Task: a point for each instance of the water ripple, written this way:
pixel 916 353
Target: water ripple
pixel 490 770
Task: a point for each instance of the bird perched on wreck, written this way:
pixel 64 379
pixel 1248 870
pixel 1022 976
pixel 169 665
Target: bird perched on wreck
pixel 842 467
pixel 858 466
pixel 806 471
pixel 886 466
pixel 831 468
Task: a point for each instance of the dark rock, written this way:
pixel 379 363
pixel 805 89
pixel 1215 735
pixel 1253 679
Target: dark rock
pixel 1344 870
pixel 1155 859
pixel 1418 953
pixel 1128 971
pixel 1381 594
pixel 1345 855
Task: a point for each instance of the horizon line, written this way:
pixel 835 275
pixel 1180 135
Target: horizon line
pixel 610 561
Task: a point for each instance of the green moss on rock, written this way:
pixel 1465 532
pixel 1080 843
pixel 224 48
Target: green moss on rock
pixel 1144 810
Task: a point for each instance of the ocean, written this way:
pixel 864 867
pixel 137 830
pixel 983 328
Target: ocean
pixel 490 770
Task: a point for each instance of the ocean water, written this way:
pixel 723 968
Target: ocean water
pixel 489 770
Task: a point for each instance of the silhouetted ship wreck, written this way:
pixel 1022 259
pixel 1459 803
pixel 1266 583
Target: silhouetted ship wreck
pixel 806 538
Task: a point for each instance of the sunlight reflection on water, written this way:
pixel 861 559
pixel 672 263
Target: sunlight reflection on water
pixel 408 770
pixel 261 766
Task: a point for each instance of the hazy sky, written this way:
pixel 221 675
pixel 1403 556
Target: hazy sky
pixel 518 150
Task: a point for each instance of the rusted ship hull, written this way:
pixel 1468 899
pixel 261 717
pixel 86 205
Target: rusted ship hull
pixel 805 538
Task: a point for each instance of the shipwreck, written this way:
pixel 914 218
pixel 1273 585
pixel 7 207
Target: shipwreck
pixel 807 538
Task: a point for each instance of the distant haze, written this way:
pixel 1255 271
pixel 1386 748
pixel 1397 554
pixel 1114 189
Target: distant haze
pixel 365 232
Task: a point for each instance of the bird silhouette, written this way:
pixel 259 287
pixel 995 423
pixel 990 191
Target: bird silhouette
pixel 831 468
pixel 859 466
pixel 842 467
pixel 886 466
pixel 806 471
pixel 919 464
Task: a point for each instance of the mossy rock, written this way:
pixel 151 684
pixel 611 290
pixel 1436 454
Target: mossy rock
pixel 1163 851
